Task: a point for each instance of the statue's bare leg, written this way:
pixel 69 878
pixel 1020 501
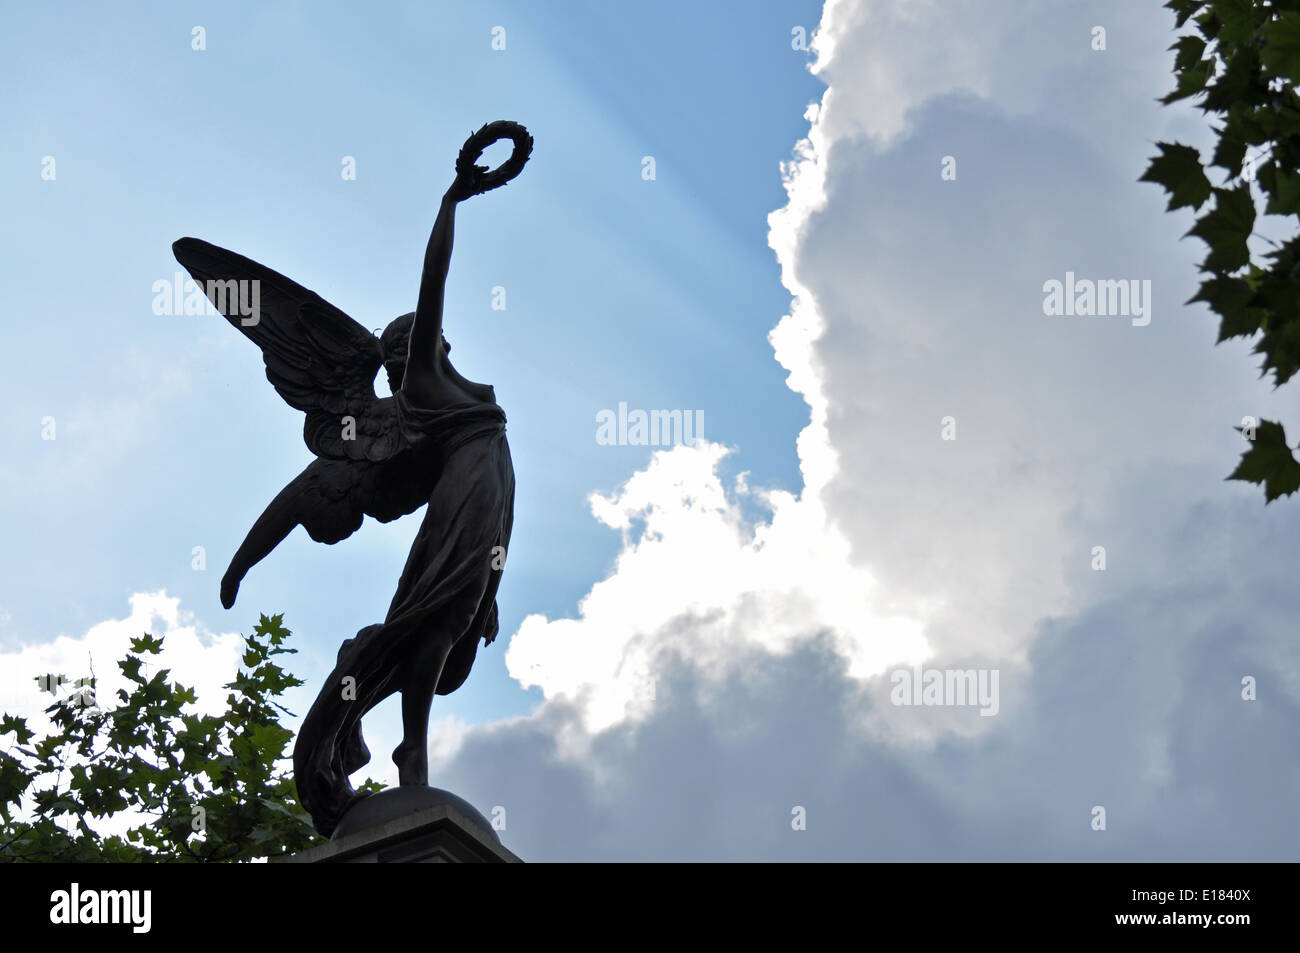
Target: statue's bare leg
pixel 412 755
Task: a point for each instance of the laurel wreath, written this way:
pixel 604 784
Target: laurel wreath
pixel 480 177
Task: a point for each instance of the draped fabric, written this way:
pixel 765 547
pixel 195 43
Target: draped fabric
pixel 447 590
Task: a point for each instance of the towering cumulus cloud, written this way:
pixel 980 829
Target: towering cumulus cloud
pixel 1013 609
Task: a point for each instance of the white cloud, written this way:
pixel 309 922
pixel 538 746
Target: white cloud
pixel 914 299
pixel 196 657
pixel 700 582
pixel 870 51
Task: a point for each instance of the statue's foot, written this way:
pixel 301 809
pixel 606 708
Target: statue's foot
pixel 412 764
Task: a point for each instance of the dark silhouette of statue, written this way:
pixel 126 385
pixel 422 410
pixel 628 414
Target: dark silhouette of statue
pixel 438 440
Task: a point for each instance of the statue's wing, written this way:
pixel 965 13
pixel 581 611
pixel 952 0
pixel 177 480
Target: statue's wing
pixel 320 360
pixel 330 499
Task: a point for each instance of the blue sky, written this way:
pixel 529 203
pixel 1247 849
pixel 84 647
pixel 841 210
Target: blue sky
pixel 658 293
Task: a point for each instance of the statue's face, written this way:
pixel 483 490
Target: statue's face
pixel 396 368
pixel 395 359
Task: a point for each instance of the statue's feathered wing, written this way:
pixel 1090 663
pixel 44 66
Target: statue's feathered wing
pixel 320 360
pixel 323 363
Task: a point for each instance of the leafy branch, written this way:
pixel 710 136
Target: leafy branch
pixel 204 788
pixel 1240 64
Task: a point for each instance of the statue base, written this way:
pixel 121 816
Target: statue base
pixel 410 824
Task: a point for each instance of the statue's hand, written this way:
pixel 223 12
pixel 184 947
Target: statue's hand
pixel 464 186
pixel 229 589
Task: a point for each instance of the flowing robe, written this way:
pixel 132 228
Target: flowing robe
pixel 447 589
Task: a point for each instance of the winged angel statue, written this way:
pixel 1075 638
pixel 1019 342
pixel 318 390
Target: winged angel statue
pixel 438 440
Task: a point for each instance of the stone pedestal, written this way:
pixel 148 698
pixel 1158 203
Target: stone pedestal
pixel 410 825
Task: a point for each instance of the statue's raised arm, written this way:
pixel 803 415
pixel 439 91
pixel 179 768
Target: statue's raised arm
pixel 425 352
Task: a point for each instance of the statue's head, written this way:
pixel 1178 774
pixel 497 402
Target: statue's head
pixel 395 342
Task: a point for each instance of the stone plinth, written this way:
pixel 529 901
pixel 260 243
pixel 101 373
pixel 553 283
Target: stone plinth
pixel 408 825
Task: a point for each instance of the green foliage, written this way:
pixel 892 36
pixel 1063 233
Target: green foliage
pixel 152 755
pixel 1270 462
pixel 1240 65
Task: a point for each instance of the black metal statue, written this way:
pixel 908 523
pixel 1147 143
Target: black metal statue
pixel 439 440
